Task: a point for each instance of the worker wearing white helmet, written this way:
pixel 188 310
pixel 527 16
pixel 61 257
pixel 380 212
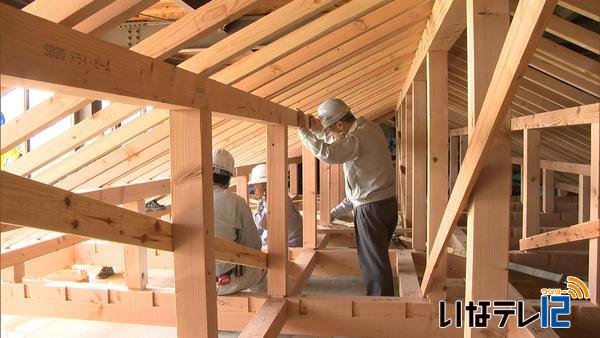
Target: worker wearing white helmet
pixel 258 179
pixel 233 222
pixel 370 194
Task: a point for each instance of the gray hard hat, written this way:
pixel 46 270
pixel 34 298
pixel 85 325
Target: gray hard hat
pixel 331 111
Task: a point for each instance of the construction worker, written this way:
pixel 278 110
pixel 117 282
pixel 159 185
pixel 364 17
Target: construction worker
pixel 258 180
pixel 362 148
pixel 233 222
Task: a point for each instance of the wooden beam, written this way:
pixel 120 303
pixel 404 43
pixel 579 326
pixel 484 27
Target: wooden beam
pixel 309 199
pixel 226 251
pixel 437 157
pixel 582 37
pixel 590 9
pixel 408 284
pixel 111 16
pixel 548 190
pixel 487 242
pixel 419 164
pixel 563 117
pixel 254 34
pixel 573 233
pixel 192 212
pixel 277 148
pixel 530 182
pixel 130 192
pixel 445 25
pixel 293 170
pixel 520 43
pixel 583 212
pixel 408 160
pixel 268 321
pixel 68 15
pixel 136 263
pixel 21 255
pixel 28 203
pixel 95 73
pixel 594 256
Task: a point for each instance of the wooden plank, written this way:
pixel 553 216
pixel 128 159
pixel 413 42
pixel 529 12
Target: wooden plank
pixel 296 39
pixel 206 19
pixel 112 15
pixel 192 212
pixel 419 165
pixel 29 203
pixel 574 33
pixel 530 182
pixel 408 131
pixel 594 256
pixel 114 65
pixel 445 25
pixel 437 157
pixel 241 187
pixel 454 160
pixel 531 331
pixel 226 251
pixel 548 191
pixel 44 247
pixel 136 263
pixel 325 193
pixel 268 321
pixel 68 15
pixel 130 192
pixel 563 117
pixel 254 34
pixel 590 9
pixel 408 283
pixel 277 148
pixel 309 199
pixel 583 195
pixel 293 170
pixel 38 118
pixel 573 233
pixel 300 271
pixel 531 17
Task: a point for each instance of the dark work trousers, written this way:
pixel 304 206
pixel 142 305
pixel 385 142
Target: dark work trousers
pixel 374 225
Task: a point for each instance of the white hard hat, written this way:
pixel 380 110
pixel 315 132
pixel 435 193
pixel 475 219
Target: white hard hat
pixel 331 111
pixel 258 174
pixel 223 162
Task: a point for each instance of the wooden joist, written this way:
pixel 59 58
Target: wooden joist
pixel 29 203
pixel 524 32
pixel 578 232
pixel 73 63
pixel 268 321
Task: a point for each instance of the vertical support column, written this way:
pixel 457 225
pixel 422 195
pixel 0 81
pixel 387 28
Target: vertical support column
pixel 400 158
pixel 464 144
pixel 242 187
pixel 325 190
pixel 489 211
pixel 548 186
pixel 192 214
pixel 594 259
pixel 531 182
pixel 437 160
pixel 136 263
pixel 294 178
pixel 408 117
pixel 309 199
pixel 454 161
pixel 337 184
pixel 419 170
pixel 277 166
pixel 583 213
pixel 18 272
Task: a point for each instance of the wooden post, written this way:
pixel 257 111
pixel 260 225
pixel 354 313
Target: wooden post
pixel 337 185
pixel 489 212
pixel 548 186
pixel 294 178
pixel 136 264
pixel 454 160
pixel 325 193
pixel 309 199
pixel 242 187
pixel 583 205
pixel 437 158
pixel 531 182
pixel 464 143
pixel 399 158
pixel 192 214
pixel 408 186
pixel 594 259
pixel 277 146
pixel 419 161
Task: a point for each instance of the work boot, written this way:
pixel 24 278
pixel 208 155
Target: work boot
pixel 154 206
pixel 105 272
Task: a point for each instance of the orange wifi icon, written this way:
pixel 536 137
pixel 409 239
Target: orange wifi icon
pixel 576 288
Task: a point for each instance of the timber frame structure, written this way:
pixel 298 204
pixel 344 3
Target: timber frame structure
pixel 474 89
